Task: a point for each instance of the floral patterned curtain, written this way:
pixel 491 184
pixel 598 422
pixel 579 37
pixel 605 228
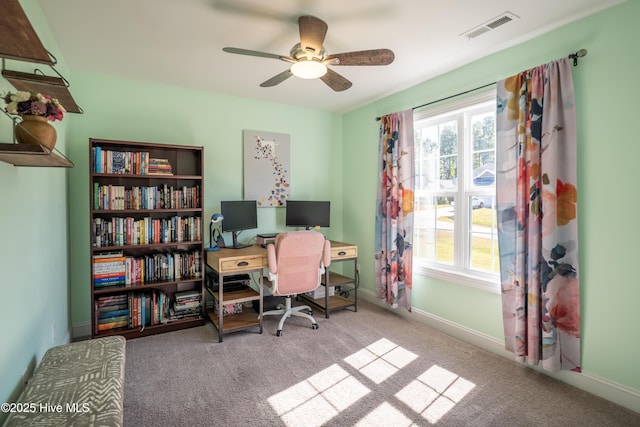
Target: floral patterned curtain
pixel 537 216
pixel 394 216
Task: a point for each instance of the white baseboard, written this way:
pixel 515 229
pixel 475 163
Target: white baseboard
pixel 602 387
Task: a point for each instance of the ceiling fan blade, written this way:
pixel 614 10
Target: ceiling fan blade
pixel 312 33
pixel 257 53
pixel 362 57
pixel 335 81
pixel 277 79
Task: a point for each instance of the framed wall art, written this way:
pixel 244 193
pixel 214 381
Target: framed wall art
pixel 267 158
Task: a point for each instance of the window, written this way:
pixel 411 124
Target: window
pixel 455 211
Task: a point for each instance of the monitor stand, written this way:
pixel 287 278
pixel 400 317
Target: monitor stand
pixel 236 245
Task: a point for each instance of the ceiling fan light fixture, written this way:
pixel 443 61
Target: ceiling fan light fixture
pixel 308 69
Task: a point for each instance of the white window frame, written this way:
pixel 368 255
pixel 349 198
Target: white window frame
pixel 458 272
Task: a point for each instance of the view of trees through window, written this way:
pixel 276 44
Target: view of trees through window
pixel 455 213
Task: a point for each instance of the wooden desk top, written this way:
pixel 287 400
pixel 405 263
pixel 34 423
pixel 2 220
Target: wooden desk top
pixel 228 260
pixel 231 261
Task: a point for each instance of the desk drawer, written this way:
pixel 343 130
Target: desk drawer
pixel 344 252
pixel 242 264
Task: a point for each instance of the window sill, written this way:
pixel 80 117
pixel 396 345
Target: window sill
pixel 481 281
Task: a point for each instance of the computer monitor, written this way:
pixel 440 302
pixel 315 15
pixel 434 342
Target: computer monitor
pixel 307 214
pixel 239 215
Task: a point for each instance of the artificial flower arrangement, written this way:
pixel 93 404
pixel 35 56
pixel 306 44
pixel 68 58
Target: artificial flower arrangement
pixel 34 104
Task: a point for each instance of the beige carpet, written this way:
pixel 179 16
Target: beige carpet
pixel 365 368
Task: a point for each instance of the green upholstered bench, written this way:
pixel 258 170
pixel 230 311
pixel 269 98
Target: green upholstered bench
pixel 77 384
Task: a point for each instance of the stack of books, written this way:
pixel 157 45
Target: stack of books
pixel 112 312
pixel 186 305
pixel 160 167
pixel 109 269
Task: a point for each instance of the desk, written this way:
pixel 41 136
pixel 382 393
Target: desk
pixel 340 291
pixel 253 259
pixel 230 262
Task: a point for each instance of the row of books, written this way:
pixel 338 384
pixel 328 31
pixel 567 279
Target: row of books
pixel 117 269
pixel 118 197
pixel 129 162
pixel 136 309
pixel 122 231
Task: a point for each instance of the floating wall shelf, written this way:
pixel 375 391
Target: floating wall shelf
pixel 20 42
pixel 18 39
pixel 32 155
pixel 55 87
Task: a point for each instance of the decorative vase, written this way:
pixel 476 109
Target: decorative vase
pixel 36 130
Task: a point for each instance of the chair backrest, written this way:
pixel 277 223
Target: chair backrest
pixel 296 257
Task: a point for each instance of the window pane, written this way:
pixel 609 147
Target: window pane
pixel 434 229
pixel 437 156
pixel 483 234
pixel 483 154
pixel 484 254
pixel 448 140
pixel 445 234
pixel 426 178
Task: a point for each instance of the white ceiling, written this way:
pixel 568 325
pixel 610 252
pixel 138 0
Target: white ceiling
pixel 179 42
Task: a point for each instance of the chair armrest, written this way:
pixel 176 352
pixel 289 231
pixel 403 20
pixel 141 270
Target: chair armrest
pixel 326 254
pixel 271 258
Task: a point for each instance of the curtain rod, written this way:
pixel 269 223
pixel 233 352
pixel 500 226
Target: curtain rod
pixel 574 56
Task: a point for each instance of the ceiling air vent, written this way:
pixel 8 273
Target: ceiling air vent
pixel 491 24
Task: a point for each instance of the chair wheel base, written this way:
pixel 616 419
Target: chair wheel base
pixel 314 326
pixel 279 333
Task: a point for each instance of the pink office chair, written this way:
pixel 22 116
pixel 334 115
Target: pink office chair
pixel 297 260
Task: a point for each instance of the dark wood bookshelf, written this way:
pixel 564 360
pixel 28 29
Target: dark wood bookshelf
pixel 187 166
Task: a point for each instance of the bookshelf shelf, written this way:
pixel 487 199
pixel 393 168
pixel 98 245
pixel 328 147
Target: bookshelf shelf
pixel 130 333
pixel 147 264
pixel 149 176
pixel 147 246
pixel 143 211
pixel 137 287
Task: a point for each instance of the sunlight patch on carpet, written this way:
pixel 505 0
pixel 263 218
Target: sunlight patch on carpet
pixel 380 360
pixel 319 398
pixel 324 395
pixel 435 392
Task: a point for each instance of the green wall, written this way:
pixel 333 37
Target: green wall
pixel 34 289
pixel 45 249
pixel 607 104
pixel 138 111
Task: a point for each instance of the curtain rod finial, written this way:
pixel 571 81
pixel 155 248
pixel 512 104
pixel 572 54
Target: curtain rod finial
pixel 579 54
